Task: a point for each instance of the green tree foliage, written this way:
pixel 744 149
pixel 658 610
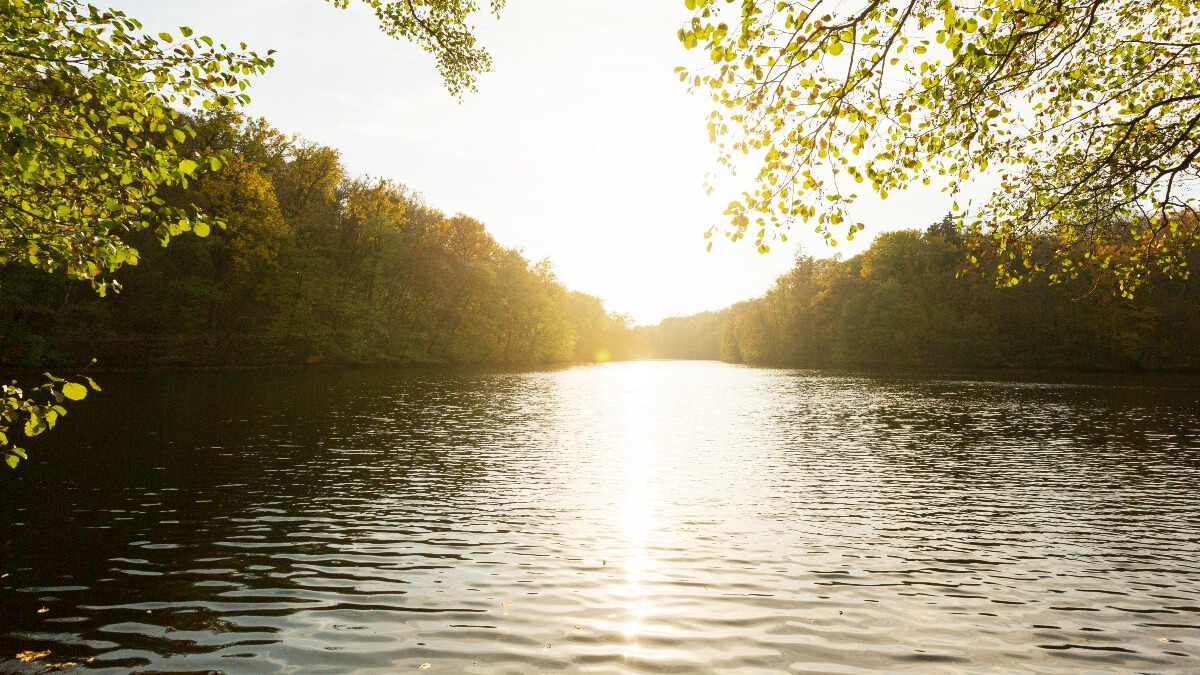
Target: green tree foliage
pixel 312 266
pixel 902 304
pixel 1088 112
pixel 602 335
pixel 91 135
pixel 93 144
pixel 91 131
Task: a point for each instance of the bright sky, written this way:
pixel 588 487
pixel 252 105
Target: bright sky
pixel 582 146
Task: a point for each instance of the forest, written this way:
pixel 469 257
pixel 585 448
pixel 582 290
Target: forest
pixel 280 255
pixel 912 300
pixel 312 265
pixel 315 266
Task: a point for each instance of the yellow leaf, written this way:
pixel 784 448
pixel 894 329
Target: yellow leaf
pixel 30 657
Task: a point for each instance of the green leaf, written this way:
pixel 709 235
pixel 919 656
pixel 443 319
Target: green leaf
pixel 11 461
pixel 188 167
pixel 201 229
pixel 74 391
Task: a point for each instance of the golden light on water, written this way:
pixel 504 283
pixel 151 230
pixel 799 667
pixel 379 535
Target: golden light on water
pixel 637 523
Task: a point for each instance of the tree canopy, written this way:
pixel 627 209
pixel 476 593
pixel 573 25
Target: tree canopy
pixel 90 126
pixel 93 140
pixel 313 265
pixel 902 304
pixel 91 135
pixel 1086 112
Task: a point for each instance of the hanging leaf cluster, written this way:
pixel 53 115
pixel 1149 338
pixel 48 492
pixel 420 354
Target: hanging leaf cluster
pixel 441 28
pixel 90 131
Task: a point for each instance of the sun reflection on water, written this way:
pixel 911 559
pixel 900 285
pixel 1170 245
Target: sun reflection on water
pixel 638 522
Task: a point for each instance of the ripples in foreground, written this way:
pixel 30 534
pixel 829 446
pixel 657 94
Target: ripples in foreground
pixel 638 517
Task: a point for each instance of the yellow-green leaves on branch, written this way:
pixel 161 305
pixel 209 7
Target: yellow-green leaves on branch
pixel 1087 112
pixel 90 133
pixel 32 411
pixel 440 28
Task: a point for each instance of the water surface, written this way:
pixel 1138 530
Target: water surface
pixel 680 517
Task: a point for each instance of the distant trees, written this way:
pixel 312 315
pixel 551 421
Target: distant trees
pixel 1088 112
pixel 903 303
pixel 603 335
pixel 681 337
pixel 310 266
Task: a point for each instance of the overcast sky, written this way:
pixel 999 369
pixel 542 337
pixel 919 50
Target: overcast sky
pixel 582 146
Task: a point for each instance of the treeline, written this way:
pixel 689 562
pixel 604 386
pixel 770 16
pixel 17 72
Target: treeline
pixel 681 337
pixel 317 266
pixel 313 265
pixel 904 304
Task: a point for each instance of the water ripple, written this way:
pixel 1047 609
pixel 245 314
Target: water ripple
pixel 625 518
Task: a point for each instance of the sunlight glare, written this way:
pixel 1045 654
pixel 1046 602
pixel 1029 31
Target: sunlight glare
pixel 638 508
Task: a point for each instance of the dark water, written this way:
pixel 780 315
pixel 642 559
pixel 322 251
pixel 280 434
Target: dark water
pixel 644 517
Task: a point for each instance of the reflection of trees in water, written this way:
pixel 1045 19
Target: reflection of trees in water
pixel 988 432
pixel 962 461
pixel 1062 436
pixel 232 489
pixel 252 511
pixel 1062 516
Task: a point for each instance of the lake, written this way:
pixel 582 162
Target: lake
pixel 645 517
